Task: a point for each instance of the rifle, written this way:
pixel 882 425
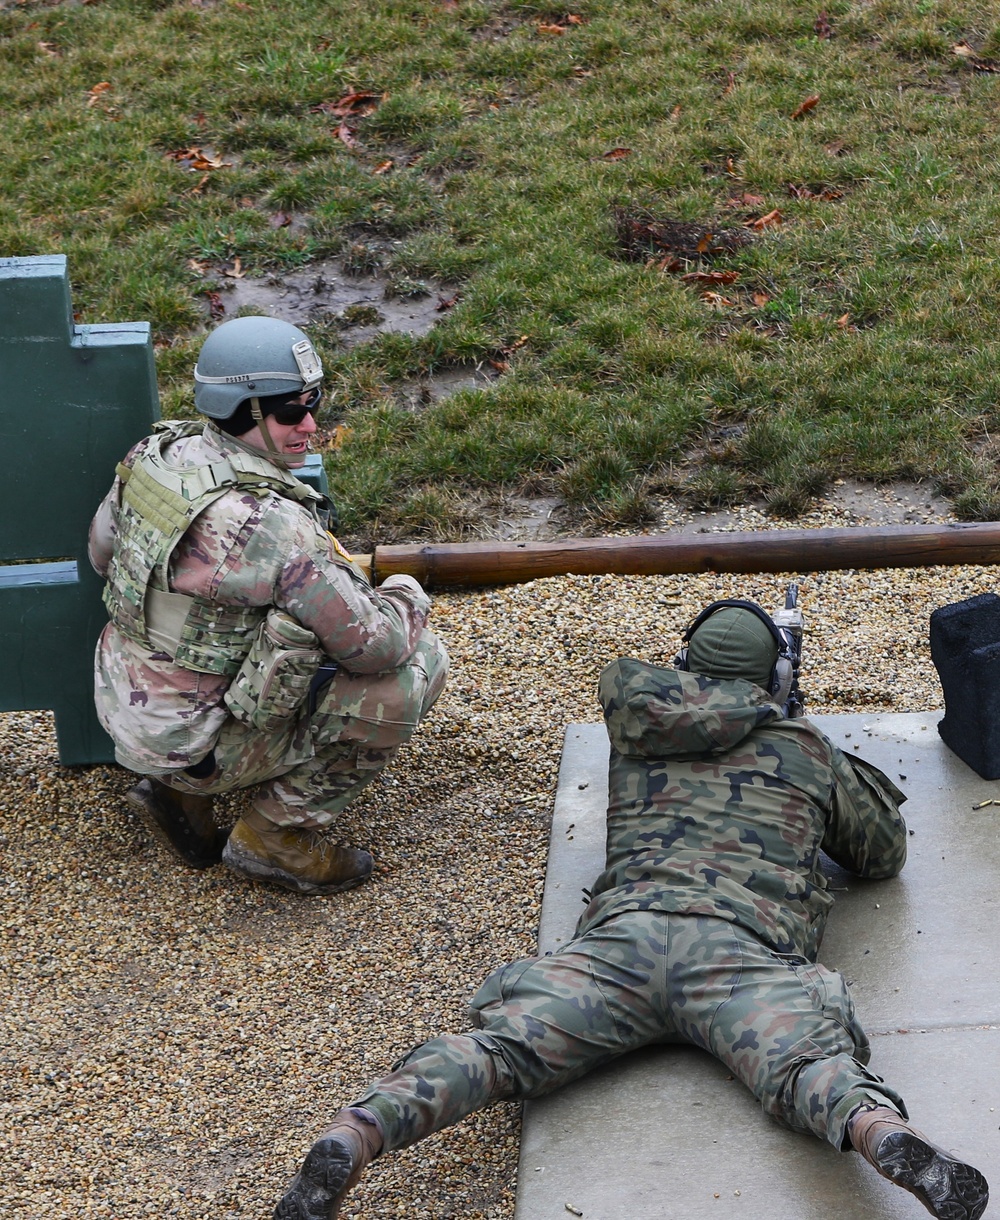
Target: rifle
pixel 790 625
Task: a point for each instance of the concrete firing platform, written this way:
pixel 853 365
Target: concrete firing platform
pixel 668 1135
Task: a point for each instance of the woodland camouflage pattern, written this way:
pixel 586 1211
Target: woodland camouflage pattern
pixel 251 550
pixel 702 928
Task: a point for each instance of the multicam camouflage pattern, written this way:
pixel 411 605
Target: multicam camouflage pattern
pixel 254 549
pixel 703 925
pixel 158 501
pixel 784 1026
pixel 312 769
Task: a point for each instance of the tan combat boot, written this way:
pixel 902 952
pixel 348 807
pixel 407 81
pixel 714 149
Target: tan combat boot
pixel 302 860
pixel 946 1186
pixel 181 821
pixel 332 1166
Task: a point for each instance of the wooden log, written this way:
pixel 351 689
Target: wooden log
pixel 890 546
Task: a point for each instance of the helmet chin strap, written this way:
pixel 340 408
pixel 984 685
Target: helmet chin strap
pixel 258 415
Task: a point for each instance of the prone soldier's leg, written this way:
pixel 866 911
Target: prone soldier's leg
pixel 542 1023
pixel 788 1030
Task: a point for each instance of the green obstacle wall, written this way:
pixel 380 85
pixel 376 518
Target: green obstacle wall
pixel 73 399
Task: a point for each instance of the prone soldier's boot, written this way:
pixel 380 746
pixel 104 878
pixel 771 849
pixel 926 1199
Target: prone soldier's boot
pixel 332 1166
pixel 297 859
pixel 947 1187
pixel 181 821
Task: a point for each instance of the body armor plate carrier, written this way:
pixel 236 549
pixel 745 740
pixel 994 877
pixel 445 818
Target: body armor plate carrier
pixel 158 504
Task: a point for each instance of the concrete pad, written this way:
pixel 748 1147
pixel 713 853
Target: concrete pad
pixel 669 1134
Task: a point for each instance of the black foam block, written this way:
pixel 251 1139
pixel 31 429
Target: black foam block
pixel 965 649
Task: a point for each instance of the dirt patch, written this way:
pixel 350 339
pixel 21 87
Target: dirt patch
pixel 360 307
pixel 848 504
pixel 642 236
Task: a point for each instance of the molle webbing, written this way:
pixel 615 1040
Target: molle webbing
pixel 158 505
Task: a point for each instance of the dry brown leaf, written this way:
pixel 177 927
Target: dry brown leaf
pixel 544 28
pixel 198 266
pixel 976 63
pixel 760 299
pixel 717 300
pixel 731 168
pixel 49 48
pixel 216 306
pixel 383 167
pixel 345 135
pixel 501 366
pixel 836 148
pixel 804 107
pixel 807 192
pixel 730 84
pixel 676 112
pixel 95 94
pixel 199 186
pixel 235 272
pixel 195 158
pixel 822 26
pixel 340 434
pixel 447 303
pixel 616 154
pixel 279 220
pixel 711 277
pixel 513 347
pixel 574 19
pixel 705 242
pixel 669 262
pixel 746 200
pixel 844 321
pixel 353 105
pixel 764 222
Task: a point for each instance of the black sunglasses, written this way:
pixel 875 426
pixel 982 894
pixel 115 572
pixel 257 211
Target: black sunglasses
pixel 296 412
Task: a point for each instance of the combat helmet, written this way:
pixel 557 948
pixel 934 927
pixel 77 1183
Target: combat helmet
pixel 734 638
pixel 253 358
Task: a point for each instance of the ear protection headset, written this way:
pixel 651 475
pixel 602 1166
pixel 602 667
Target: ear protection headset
pixel 782 672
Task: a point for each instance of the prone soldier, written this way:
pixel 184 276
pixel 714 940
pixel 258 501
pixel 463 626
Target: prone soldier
pixel 703 929
pixel 245 646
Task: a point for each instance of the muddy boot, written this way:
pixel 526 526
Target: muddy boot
pixel 302 860
pixel 947 1187
pixel 332 1166
pixel 181 821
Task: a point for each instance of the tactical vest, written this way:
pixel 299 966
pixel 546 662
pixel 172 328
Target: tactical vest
pixel 158 504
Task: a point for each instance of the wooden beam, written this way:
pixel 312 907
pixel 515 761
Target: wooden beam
pixel 891 546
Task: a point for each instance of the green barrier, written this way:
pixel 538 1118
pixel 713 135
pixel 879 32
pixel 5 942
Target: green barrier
pixel 73 400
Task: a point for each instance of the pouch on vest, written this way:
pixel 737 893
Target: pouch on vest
pixel 273 681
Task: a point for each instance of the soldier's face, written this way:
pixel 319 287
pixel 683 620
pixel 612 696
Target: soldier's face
pixel 290 440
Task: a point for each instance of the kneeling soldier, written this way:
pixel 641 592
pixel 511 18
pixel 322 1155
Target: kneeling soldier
pixel 245 647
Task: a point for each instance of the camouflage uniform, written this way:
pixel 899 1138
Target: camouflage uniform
pixel 703 928
pixel 252 548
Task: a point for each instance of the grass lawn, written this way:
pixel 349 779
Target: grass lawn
pixel 710 249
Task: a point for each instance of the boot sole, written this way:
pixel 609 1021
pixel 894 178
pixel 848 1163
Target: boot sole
pixel 148 816
pixel 250 866
pixel 948 1188
pixel 316 1189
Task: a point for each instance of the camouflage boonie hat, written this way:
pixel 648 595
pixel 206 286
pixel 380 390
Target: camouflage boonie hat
pixel 733 643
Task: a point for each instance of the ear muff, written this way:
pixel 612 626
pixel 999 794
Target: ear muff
pixel 782 672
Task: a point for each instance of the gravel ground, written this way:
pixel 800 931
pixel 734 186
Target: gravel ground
pixel 172 1040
